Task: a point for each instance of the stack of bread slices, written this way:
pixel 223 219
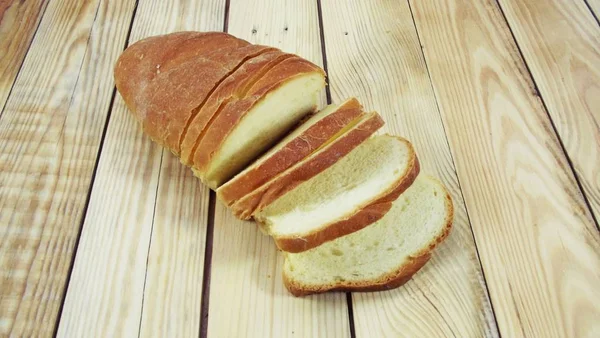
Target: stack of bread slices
pixel 348 208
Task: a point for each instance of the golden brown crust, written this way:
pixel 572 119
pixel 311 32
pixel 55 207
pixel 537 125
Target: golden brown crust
pixel 225 120
pixel 233 87
pixel 164 78
pixel 136 66
pixel 269 192
pixel 388 281
pixel 294 151
pixel 363 217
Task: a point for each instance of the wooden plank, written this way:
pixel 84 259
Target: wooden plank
pixel 50 133
pixel 373 53
pixel 15 38
pixel 246 291
pixel 139 189
pixel 561 44
pixel 538 244
pixel 173 290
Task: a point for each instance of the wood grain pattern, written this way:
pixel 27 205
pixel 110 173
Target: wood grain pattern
pixel 15 38
pixel 50 133
pixel 561 44
pixel 539 247
pixel 373 53
pixel 247 295
pixel 127 279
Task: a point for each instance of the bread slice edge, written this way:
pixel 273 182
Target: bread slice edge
pixel 370 212
pixel 317 162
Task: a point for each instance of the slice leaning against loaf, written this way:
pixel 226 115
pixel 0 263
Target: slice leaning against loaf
pixel 351 194
pixel 352 135
pixel 180 71
pixel 308 137
pixel 381 256
pixel 244 129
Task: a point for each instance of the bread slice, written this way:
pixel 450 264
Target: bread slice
pixel 163 79
pixel 351 194
pixel 381 256
pixel 308 137
pixel 244 129
pixel 352 135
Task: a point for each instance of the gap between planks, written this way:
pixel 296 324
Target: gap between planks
pixel 150 241
pixel 328 95
pixel 591 9
pixel 208 251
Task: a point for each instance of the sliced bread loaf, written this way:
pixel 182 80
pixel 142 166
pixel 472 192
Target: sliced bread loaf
pixel 327 155
pixel 349 195
pixel 381 256
pixel 245 128
pixel 308 137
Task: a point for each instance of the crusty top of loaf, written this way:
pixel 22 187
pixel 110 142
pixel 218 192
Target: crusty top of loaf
pixel 164 78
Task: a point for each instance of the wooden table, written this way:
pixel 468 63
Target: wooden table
pixel 104 233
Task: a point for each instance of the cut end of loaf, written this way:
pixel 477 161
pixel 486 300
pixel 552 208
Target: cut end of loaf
pixel 381 256
pixel 268 121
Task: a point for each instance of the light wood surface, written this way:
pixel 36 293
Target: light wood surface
pixel 106 230
pixel 383 66
pixel 15 38
pixel 176 256
pixel 139 189
pixel 247 296
pixel 50 133
pixel 539 247
pixel 560 42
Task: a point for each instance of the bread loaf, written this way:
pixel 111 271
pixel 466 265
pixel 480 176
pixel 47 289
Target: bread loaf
pixel 340 202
